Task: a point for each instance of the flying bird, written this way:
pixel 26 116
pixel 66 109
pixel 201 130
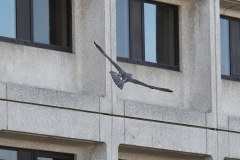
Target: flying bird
pixel 123 77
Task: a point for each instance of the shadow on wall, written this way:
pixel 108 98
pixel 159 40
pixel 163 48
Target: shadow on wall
pixel 140 153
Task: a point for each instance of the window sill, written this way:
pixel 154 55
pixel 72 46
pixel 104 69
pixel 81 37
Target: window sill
pixel 35 44
pixel 150 64
pixel 230 78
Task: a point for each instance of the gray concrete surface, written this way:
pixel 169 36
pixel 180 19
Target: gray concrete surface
pixel 52 121
pixel 3 115
pixel 62 102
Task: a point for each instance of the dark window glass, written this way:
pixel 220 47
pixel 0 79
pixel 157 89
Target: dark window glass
pixel 24 20
pixel 230 48
pixel 8 18
pixel 52 156
pixel 8 154
pixel 235 47
pixel 26 154
pixel 159 34
pixel 50 19
pixel 150 32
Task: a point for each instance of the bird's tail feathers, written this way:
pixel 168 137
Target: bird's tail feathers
pixel 117 80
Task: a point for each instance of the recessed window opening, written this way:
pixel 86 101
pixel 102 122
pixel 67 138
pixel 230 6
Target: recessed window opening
pixel 147 33
pixel 39 23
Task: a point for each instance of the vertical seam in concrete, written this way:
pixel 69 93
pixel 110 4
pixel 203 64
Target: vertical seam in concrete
pixel 7 114
pixel 228 145
pixel 206 142
pixel 111 96
pixel 124 131
pixel 111 86
pixel 6 91
pixel 228 122
pixel 6 106
pixel 124 108
pixel 110 45
pixel 216 72
pixel 111 136
pixel 153 132
pixel 206 121
pixel 99 128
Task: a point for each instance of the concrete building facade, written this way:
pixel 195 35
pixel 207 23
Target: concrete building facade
pixel 67 102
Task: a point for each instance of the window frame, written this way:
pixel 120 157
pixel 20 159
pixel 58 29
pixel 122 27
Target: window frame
pixel 176 38
pixel 45 154
pixel 31 43
pixel 38 153
pixel 230 77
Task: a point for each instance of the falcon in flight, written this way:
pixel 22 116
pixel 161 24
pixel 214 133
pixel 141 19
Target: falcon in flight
pixel 122 77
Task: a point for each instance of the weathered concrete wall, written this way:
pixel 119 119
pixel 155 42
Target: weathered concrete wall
pixel 64 102
pixel 61 71
pixel 192 85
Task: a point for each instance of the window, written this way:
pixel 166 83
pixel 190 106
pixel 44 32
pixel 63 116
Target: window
pixel 24 154
pixel 230 48
pixel 147 33
pixel 8 154
pixel 39 23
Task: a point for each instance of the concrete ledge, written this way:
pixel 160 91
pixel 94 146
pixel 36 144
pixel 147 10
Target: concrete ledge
pixel 142 153
pixel 234 123
pixel 139 133
pixel 234 145
pixel 155 112
pixel 223 144
pixel 52 97
pixel 52 121
pixel 165 136
pixel 230 4
pixel 212 144
pixel 180 138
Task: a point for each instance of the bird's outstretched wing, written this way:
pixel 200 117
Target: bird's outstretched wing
pixel 115 65
pixel 152 87
pixel 117 80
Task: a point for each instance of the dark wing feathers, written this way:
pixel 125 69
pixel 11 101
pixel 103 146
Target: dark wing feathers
pixel 152 87
pixel 117 80
pixel 115 65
